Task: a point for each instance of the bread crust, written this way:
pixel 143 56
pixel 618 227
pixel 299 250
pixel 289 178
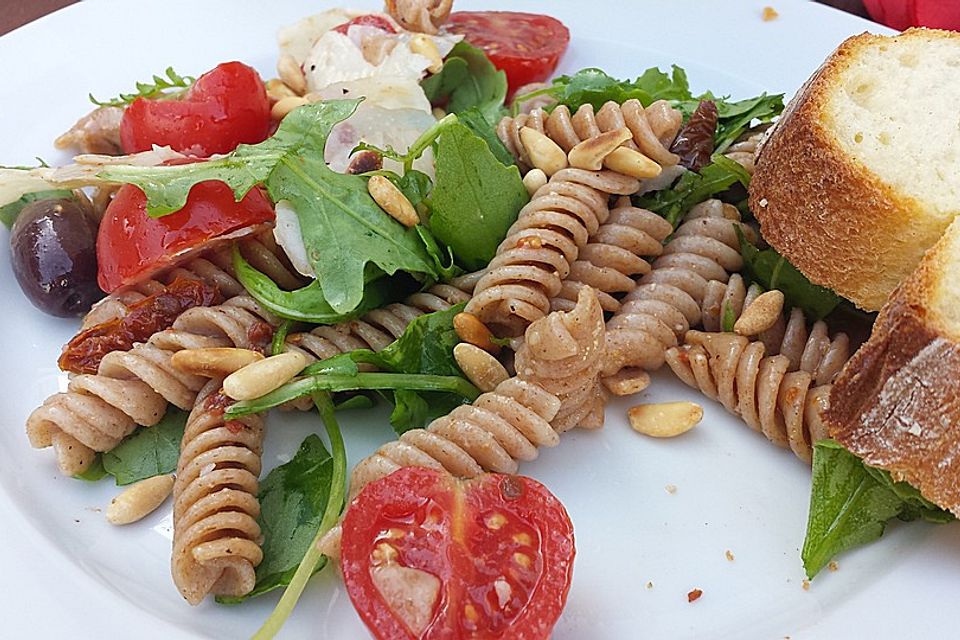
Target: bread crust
pixel 826 213
pixel 896 404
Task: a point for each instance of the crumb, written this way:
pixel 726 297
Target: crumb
pixel 833 566
pixel 77 521
pixel 806 585
pixel 769 13
pixel 671 488
pixel 650 584
pixel 729 555
pixel 763 202
pixel 694 595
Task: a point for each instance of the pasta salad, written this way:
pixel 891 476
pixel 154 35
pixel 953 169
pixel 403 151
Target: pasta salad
pixel 413 212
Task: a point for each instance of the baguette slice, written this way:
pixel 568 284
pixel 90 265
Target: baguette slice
pixel 896 404
pixel 862 173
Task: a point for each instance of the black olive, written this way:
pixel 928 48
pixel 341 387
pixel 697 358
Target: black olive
pixel 53 246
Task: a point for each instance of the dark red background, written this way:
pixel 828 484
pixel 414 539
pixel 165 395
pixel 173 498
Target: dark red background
pixel 22 12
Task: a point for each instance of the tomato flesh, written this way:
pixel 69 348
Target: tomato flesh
pixel 499 547
pixel 131 246
pixel 225 107
pixel 369 20
pixel 527 46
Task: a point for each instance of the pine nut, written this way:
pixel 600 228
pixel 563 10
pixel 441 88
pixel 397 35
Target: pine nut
pixel 277 90
pixel 139 500
pixel 666 419
pixel 534 179
pixel 285 105
pixel 590 153
pixel 762 314
pixel 631 162
pixel 214 362
pixel 291 74
pixel 627 382
pixel 391 199
pixel 545 154
pixel 481 368
pixel 470 329
pixel 425 46
pixel 263 376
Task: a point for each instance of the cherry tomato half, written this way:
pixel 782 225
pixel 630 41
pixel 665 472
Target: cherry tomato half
pixel 527 46
pixel 427 556
pixel 369 20
pixel 225 107
pixel 131 245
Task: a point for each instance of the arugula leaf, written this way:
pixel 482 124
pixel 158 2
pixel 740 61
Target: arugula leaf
pixel 148 451
pixel 443 261
pixel 693 188
pixel 728 318
pixel 915 505
pixel 292 500
pixel 486 129
pixel 343 229
pixel 851 503
pixel 156 89
pixel 426 346
pixel 772 271
pixel 414 184
pixel 94 472
pixel 735 117
pixel 10 212
pixel 467 80
pixel 476 198
pixel 312 557
pixel 308 303
pixel 423 375
pixel 593 86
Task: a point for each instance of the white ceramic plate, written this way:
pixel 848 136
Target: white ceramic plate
pixel 70 574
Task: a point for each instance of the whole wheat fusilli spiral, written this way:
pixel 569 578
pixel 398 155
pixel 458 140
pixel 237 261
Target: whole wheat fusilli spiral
pixel 667 301
pixel 653 128
pixel 773 394
pixel 216 537
pixel 534 259
pixel 563 353
pixel 614 255
pixel 133 387
pixel 520 415
pixel 813 350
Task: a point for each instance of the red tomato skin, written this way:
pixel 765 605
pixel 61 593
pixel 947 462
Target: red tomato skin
pixel 369 20
pixel 131 246
pixel 526 46
pixel 225 107
pixel 434 549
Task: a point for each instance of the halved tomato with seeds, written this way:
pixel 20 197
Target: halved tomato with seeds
pixel 428 556
pixel 527 46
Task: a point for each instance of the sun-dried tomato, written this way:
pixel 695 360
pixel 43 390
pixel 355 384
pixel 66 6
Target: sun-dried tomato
pixel 260 335
pixel 144 318
pixel 694 143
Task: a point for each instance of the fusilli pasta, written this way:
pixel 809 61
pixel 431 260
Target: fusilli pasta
pixel 653 128
pixel 813 351
pixel 216 537
pixel 534 259
pixel 667 301
pixel 520 415
pixel 563 354
pixel 613 255
pixel 775 394
pixel 133 387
